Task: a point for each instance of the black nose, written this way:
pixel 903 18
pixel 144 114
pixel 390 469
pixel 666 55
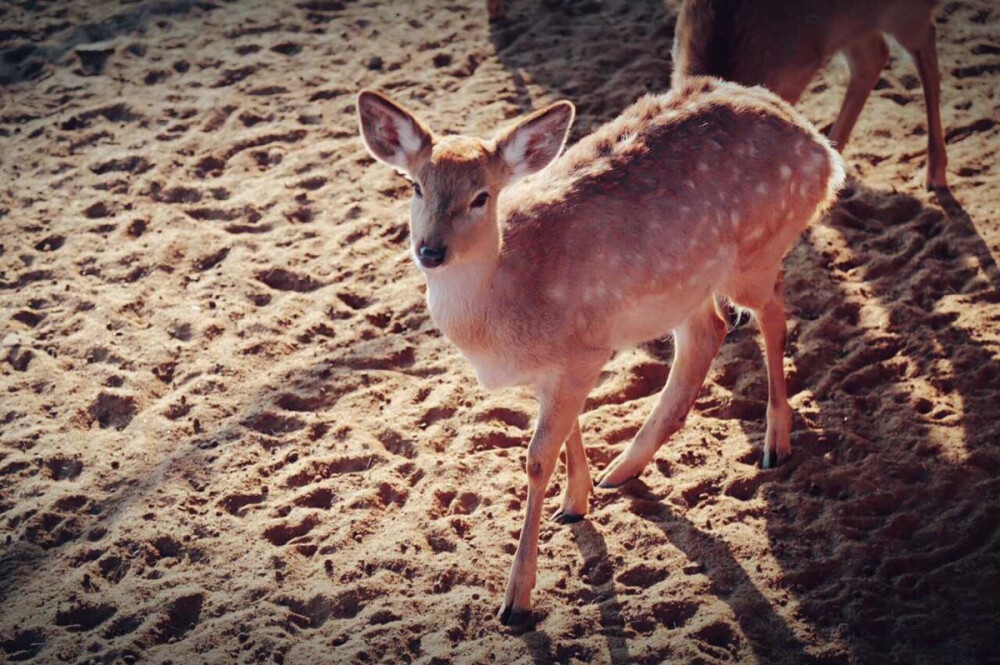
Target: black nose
pixel 431 257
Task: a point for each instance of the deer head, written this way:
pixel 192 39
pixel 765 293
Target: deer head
pixel 457 179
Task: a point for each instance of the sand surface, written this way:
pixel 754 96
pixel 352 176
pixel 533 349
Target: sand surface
pixel 231 433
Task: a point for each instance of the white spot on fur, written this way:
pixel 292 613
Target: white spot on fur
pixel 734 217
pixel 786 172
pixel 762 189
pixel 702 166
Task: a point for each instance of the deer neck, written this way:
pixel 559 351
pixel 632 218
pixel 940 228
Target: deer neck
pixel 458 298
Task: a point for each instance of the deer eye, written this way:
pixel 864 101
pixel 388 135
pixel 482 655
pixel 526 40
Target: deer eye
pixel 480 199
pixel 417 191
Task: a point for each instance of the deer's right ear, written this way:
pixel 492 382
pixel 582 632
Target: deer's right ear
pixel 391 133
pixel 536 140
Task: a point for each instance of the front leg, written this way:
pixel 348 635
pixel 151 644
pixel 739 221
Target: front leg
pixel 560 402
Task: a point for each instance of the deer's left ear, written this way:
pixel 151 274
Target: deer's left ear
pixel 391 133
pixel 533 142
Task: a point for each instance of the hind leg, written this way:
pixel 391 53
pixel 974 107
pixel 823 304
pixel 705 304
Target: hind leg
pixel 771 318
pixel 917 34
pixel 696 343
pixel 765 296
pixel 930 78
pixel 495 9
pixel 866 57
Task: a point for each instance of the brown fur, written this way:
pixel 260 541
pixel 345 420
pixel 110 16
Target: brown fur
pixel 631 234
pixel 781 45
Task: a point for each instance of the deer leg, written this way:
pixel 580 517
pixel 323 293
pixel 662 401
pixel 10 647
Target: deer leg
pixel 495 9
pixel 560 403
pixel 924 51
pixel 866 58
pixel 771 319
pixel 696 343
pixel 789 83
pixel 579 484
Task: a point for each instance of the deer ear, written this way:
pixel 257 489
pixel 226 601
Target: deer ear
pixel 391 133
pixel 533 142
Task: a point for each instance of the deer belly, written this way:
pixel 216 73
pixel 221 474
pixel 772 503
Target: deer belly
pixel 655 316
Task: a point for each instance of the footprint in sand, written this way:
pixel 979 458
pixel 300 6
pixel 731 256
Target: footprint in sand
pixel 182 616
pixel 85 616
pixel 280 279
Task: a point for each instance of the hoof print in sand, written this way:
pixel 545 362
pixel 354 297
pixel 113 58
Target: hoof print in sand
pixel 113 411
pixel 273 424
pixel 316 611
pixel 182 616
pixel 61 467
pixel 280 279
pixel 85 616
pixel 234 503
pixel 280 534
pixel 675 613
pixel 23 645
pixel 717 639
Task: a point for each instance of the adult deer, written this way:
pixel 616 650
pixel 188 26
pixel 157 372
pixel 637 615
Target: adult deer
pixel 781 45
pixel 632 233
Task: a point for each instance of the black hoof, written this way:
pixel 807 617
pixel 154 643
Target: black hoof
pixel 567 518
pixel 772 461
pixel 511 616
pixel 604 485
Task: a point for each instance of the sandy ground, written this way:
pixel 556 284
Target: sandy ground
pixel 230 432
